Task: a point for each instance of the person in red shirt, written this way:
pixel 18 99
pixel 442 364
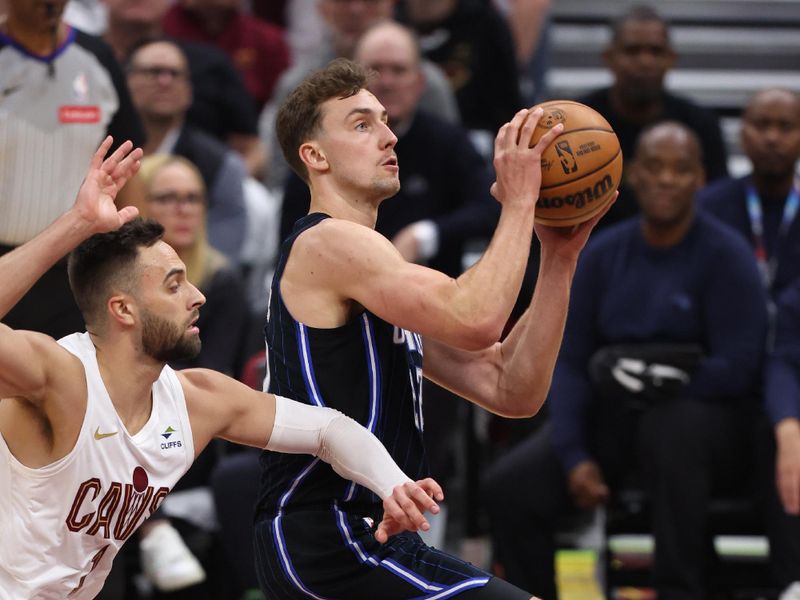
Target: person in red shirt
pixel 257 48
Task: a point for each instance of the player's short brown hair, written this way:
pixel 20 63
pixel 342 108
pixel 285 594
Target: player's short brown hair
pixel 106 262
pixel 299 115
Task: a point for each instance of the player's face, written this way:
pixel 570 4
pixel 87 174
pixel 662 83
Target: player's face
pixel 665 175
pixel 170 305
pixel 358 146
pixel 771 133
pixel 640 59
pixel 399 83
pixel 158 78
pixel 176 200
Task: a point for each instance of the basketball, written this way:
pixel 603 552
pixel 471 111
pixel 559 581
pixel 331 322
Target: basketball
pixel 581 169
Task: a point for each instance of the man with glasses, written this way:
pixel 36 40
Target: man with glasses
pixel 61 92
pixel 158 77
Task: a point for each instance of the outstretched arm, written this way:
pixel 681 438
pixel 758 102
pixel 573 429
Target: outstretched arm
pixel 223 407
pixel 24 356
pixel 512 378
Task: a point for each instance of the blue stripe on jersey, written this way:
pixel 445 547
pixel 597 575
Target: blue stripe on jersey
pixel 457 589
pixel 349 538
pixel 280 542
pixel 409 576
pixel 374 372
pixel 307 366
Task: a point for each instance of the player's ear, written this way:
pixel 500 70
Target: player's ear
pixel 121 310
pixel 313 157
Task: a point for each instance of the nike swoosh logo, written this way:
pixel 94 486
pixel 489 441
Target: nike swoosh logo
pixel 100 436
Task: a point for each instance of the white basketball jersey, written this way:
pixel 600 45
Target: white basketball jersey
pixel 61 525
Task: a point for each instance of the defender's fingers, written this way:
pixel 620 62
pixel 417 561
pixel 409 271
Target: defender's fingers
pixel 128 166
pixel 110 164
pixel 99 155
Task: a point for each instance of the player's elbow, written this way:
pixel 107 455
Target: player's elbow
pixel 524 402
pixel 479 333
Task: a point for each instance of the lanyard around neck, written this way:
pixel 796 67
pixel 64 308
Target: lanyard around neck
pixel 768 265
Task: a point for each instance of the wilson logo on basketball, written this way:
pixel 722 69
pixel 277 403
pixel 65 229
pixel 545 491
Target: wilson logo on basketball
pixel 116 510
pixel 595 191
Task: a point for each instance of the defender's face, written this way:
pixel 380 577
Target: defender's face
pixel 169 305
pixel 771 133
pixel 665 175
pixel 358 146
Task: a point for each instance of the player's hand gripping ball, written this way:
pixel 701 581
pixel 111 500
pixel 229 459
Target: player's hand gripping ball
pixel 581 169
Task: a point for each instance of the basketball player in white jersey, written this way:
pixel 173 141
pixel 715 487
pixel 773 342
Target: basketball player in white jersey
pixel 95 429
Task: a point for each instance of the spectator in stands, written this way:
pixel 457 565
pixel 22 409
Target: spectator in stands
pixel 762 205
pixel 345 21
pixel 639 56
pixel 221 105
pixel 61 93
pixel 158 77
pixel 176 198
pixel 660 357
pixel 780 464
pixel 472 44
pixel 257 48
pixel 530 23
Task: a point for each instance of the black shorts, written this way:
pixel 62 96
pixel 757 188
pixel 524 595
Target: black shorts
pixel 334 556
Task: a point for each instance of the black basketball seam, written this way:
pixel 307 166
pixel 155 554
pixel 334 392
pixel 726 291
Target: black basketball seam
pixel 605 164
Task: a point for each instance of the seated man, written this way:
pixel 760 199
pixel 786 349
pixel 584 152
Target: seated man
pixel 95 430
pixel 780 466
pixel 654 279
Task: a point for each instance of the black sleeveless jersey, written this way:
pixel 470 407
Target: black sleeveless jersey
pixel 368 369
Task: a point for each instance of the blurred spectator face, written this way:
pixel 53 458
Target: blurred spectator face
pixel 429 12
pixel 390 50
pixel 666 172
pixel 36 15
pixel 213 11
pixel 176 199
pixel 639 58
pixel 349 19
pixel 140 12
pixel 771 132
pixel 158 78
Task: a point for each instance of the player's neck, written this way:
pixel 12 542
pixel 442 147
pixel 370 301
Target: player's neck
pixel 339 205
pixel 128 377
pixel 39 41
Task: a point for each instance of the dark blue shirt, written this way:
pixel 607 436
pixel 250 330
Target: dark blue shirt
pixel 705 290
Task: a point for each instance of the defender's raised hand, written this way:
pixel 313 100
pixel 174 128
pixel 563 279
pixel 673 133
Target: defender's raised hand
pixel 104 179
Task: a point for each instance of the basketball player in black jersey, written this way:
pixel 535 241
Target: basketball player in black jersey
pixel 347 323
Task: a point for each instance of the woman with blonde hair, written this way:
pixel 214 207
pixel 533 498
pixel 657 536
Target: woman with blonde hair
pixel 175 196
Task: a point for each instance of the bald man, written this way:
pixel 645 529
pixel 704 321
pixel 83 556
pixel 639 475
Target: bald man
pixel 661 351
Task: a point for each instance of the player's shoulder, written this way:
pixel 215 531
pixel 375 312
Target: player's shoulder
pixel 334 238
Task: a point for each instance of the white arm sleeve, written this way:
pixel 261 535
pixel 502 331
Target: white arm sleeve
pixel 352 451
